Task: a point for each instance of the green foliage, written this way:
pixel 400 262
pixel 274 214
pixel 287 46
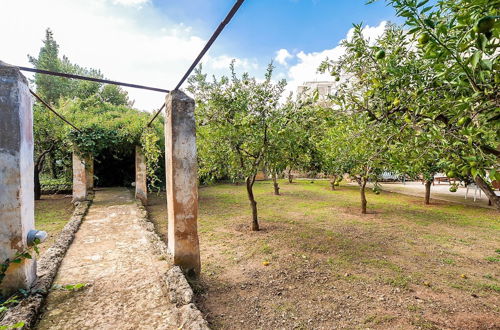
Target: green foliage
pixel 235 120
pixel 150 142
pixel 18 325
pixel 93 139
pixel 70 287
pixel 292 132
pixel 54 185
pixel 18 257
pixel 103 113
pixel 453 71
pixel 234 117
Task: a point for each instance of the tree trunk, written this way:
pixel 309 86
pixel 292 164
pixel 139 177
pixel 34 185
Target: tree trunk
pixel 428 184
pixel 53 165
pixel 490 193
pixel 37 186
pixel 276 185
pixel 333 180
pixel 38 166
pixel 253 204
pixel 363 195
pixel 290 176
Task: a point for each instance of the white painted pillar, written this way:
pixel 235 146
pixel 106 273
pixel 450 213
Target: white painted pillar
pixel 16 177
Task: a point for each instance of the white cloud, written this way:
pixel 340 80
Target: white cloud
pixel 372 33
pixel 130 2
pixel 282 56
pixel 308 63
pixel 116 39
pixel 221 63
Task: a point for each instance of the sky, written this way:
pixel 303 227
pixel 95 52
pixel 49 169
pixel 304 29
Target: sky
pixel 153 42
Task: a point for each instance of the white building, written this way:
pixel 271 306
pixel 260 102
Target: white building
pixel 324 88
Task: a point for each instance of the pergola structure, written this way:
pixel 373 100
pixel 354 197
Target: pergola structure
pixel 16 169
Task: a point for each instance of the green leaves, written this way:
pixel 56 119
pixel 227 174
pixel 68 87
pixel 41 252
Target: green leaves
pixel 451 79
pixel 150 142
pixel 237 120
pixel 70 287
pixel 475 58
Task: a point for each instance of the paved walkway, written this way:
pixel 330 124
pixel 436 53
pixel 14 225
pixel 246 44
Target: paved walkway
pixel 113 256
pixel 439 192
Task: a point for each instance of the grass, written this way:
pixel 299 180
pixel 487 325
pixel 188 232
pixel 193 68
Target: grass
pixel 52 213
pixel 326 259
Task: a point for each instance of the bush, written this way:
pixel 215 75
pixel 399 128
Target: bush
pixel 54 186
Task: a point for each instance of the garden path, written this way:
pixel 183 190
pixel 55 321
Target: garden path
pixel 113 256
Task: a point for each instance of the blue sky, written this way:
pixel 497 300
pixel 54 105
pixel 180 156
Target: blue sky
pixel 262 26
pixel 153 42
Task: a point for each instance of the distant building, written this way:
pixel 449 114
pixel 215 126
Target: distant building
pixel 324 88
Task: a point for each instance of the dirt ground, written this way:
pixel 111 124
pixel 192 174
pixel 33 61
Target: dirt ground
pixel 318 263
pixel 52 213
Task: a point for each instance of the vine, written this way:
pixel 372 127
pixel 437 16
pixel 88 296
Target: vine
pixel 152 153
pixel 92 140
pixel 18 258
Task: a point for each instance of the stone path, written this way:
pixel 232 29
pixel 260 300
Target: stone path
pixel 112 254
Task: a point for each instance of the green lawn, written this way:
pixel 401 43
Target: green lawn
pixel 318 262
pixel 52 213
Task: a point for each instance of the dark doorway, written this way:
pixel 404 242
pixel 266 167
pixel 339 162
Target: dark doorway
pixel 114 168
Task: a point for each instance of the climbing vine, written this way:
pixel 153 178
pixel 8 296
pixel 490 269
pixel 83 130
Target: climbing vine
pixel 152 153
pixel 18 258
pixel 92 140
pixel 4 266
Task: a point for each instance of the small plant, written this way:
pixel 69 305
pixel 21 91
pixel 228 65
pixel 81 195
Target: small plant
pixel 152 153
pixel 492 259
pixel 18 325
pixel 4 306
pixel 70 287
pixel 449 261
pixel 266 249
pixel 18 258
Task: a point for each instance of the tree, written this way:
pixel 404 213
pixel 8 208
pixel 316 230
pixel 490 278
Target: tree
pixel 357 146
pixel 458 45
pixel 50 135
pixel 234 115
pixel 362 136
pixel 290 138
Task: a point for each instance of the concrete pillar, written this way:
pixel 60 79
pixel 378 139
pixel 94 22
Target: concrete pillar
pixel 182 182
pixel 89 173
pixel 79 177
pixel 16 177
pixel 141 187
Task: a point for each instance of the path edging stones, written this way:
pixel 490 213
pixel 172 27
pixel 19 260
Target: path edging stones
pixel 27 310
pixel 180 292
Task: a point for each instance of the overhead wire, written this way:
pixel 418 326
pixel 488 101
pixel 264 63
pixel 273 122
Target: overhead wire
pixel 212 39
pixel 55 112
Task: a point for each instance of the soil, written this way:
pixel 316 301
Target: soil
pixel 318 263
